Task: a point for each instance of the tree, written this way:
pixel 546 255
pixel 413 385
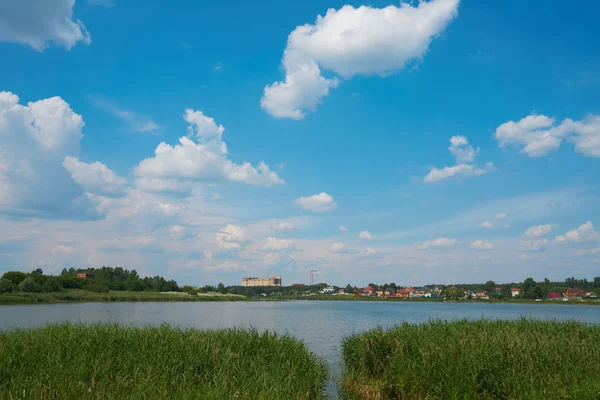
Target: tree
pixel 490 286
pixel 15 277
pixel 29 285
pixel 52 284
pixel 506 293
pixel 221 288
pixel 64 272
pixel 374 286
pixel 37 271
pixel 393 286
pixel 5 286
pixel 597 282
pixel 349 289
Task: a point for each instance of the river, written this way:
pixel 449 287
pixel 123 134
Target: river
pixel 320 324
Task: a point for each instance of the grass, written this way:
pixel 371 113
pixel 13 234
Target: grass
pixel 465 359
pixel 79 295
pixel 108 361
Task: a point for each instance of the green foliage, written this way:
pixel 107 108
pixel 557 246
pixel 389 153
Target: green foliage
pixel 52 284
pixel 29 285
pixel 115 362
pixel 349 289
pixel 15 277
pixel 483 359
pixel 6 286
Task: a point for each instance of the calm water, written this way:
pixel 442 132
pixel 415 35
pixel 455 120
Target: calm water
pixel 320 324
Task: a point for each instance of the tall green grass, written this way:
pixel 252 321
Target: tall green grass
pixel 107 361
pixel 483 359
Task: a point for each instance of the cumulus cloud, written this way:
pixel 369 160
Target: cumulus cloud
pixel 231 237
pixel 583 252
pixel 459 171
pixel 486 224
pixel 539 230
pixel 206 160
pixel 319 202
pixel 538 135
pixel 35 23
pixel 274 244
pixel 464 155
pixel 365 235
pixel 227 266
pixel 166 186
pixel 95 178
pixel 34 141
pixel 439 242
pixel 534 245
pixel 584 233
pixel 482 245
pixel 352 41
pixel 462 151
pixel 179 232
pixel 342 229
pixel 337 248
pixel 283 227
pixel 501 216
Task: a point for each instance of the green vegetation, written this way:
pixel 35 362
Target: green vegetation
pixel 70 295
pixel 115 362
pixel 484 359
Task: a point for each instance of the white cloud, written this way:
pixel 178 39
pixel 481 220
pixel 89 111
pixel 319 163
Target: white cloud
pixel 337 248
pixel 501 216
pixel 227 266
pixel 583 252
pixel 34 141
pixel 137 122
pixel 459 171
pixel 206 160
pixel 538 135
pixel 95 178
pixel 534 245
pixel 439 242
pixel 462 151
pixel 482 245
pixel 540 230
pixel 274 244
pixel 218 66
pixel 342 229
pixel 231 237
pixel 283 227
pixel 486 224
pixel 179 232
pixel 352 41
pixel 525 257
pixel 584 233
pixel 216 196
pixel 34 23
pixel 165 186
pixel 365 235
pixel 319 202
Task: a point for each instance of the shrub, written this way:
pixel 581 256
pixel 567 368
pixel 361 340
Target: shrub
pixel 51 284
pixel 5 286
pixel 15 277
pixel 29 285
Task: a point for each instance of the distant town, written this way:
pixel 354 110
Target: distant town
pixel 570 289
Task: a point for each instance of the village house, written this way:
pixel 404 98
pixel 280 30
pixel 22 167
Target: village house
pixel 405 293
pixel 498 290
pixel 389 292
pixel 573 293
pixel 379 292
pixel 368 291
pixel 482 296
pixel 515 292
pixel 554 296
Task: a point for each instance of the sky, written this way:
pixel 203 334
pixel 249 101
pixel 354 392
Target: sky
pixel 440 141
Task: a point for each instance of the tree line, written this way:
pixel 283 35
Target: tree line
pixel 97 280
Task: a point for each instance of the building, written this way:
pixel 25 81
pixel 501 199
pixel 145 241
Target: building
pixel 498 290
pixel 554 296
pixel 298 285
pixel 573 293
pixel 327 290
pixel 379 292
pixel 85 275
pixel 515 292
pixel 272 281
pixel 389 292
pixel 368 291
pixel 405 293
pixel 482 296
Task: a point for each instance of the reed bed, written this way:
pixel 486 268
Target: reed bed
pixel 109 361
pixel 465 359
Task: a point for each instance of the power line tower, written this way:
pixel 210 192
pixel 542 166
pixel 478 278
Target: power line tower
pixel 313 272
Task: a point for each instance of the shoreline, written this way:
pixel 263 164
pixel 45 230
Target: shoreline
pixel 83 296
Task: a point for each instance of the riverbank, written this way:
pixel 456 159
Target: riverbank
pixel 76 361
pixel 79 295
pixel 465 359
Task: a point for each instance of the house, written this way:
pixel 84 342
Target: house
pixel 342 291
pixel 327 290
pixel 405 293
pixel 572 293
pixel 515 292
pixel 498 290
pixel 554 296
pixel 590 294
pixel 368 291
pixel 418 293
pixel 482 296
pixel 379 292
pixel 389 292
pixel 85 275
pixel 427 294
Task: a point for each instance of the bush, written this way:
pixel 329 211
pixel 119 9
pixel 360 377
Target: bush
pixel 98 288
pixel 116 362
pixel 5 286
pixel 29 285
pixel 51 284
pixel 15 277
pixel 484 359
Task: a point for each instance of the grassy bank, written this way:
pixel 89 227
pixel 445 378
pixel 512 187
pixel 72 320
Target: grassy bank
pixel 484 359
pixel 71 295
pixel 114 362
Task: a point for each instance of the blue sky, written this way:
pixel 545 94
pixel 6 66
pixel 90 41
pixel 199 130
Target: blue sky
pixel 440 141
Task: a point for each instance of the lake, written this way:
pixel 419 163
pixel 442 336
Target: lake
pixel 320 324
